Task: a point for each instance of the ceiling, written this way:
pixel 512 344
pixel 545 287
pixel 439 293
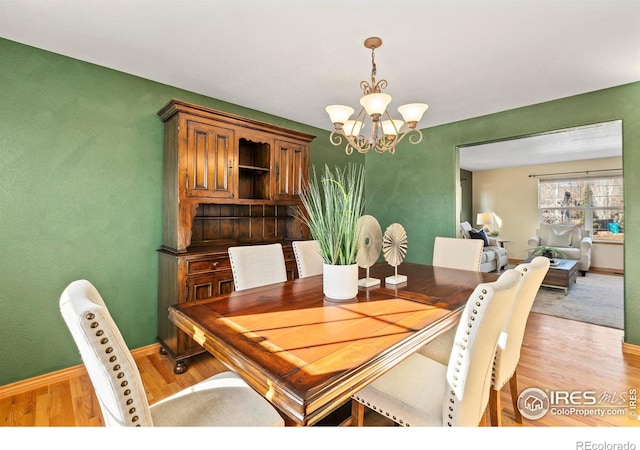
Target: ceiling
pixel 603 140
pixel 292 58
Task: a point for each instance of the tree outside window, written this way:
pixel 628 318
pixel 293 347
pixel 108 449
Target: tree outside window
pixel 597 204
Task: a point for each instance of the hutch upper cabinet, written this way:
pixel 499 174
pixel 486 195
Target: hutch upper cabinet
pixel 228 180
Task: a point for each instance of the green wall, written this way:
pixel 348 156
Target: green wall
pixel 81 197
pixel 416 186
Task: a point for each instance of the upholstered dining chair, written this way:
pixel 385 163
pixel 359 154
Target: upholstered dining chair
pixel 509 343
pixel 222 400
pixel 423 392
pixel 308 258
pixel 464 254
pixel 257 265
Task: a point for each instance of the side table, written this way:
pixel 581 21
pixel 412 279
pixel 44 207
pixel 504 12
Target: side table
pixel 501 242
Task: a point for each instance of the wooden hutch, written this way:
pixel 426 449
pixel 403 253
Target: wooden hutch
pixel 228 180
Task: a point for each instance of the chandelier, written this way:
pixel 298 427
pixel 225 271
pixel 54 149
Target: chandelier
pixel 384 132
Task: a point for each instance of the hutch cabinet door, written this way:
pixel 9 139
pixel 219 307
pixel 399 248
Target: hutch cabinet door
pixel 209 161
pixel 291 162
pixel 210 285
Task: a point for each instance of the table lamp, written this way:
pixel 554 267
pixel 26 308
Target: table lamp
pixel 484 219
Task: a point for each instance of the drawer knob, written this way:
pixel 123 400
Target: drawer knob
pixel 214 264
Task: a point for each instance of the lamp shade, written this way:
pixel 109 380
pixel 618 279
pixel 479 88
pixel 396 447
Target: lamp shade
pixel 339 113
pixel 375 103
pixel 412 112
pixel 391 127
pixel 484 218
pixel 352 127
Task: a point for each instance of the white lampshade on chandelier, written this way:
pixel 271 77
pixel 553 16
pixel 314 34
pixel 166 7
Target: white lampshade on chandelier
pixel 383 131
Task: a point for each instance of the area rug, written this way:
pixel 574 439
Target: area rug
pixel 594 298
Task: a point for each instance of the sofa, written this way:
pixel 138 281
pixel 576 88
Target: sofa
pixel 494 257
pixel 572 241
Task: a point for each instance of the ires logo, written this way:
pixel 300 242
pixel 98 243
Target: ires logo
pixel 575 398
pixel 534 403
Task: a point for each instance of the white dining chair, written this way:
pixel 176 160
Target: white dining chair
pixel 257 265
pixel 308 258
pixel 509 342
pixel 464 254
pixel 423 392
pixel 222 400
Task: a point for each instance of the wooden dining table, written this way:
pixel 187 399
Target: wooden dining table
pixel 307 354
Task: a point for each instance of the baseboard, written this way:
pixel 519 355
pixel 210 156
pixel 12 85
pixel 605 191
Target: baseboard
pixel 606 271
pixel 631 349
pixel 29 384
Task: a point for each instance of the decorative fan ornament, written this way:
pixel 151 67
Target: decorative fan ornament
pixel 369 241
pixel 394 248
pixel 369 246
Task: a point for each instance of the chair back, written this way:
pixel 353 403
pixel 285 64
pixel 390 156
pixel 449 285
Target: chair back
pixel 469 370
pixel 257 265
pixel 512 335
pixel 464 254
pixel 112 370
pixel 308 258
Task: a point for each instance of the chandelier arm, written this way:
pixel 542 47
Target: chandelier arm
pixel 415 133
pixel 359 144
pixel 361 116
pixel 336 139
pixel 386 144
pixel 415 137
pixel 383 144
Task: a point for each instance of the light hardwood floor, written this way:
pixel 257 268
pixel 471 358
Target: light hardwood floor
pixel 557 354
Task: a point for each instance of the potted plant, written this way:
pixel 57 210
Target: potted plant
pixel 332 203
pixel 549 252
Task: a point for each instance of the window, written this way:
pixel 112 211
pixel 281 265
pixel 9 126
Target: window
pixel 595 203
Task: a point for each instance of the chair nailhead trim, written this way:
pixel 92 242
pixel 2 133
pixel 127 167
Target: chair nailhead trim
pixel 116 368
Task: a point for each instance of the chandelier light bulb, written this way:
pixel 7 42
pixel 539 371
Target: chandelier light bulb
pixel 375 104
pixel 391 127
pixel 412 112
pixel 352 127
pixel 339 114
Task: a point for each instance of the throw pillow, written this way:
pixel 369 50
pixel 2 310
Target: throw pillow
pixel 559 238
pixel 546 230
pixel 465 227
pixel 480 235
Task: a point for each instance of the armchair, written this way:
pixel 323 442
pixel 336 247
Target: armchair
pixel 574 242
pixel 494 257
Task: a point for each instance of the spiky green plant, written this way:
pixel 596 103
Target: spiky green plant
pixel 332 203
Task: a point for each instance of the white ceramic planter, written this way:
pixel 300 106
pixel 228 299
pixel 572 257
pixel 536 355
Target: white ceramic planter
pixel 340 282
